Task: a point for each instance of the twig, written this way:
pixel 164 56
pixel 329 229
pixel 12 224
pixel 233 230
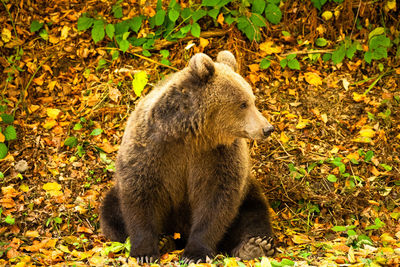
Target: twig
pixel 164 43
pixel 355 20
pixel 154 61
pixel 308 52
pixel 282 146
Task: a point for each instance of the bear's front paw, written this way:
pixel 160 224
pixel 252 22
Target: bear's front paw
pixel 196 254
pixel 255 247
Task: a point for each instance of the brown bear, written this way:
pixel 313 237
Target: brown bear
pixel 183 166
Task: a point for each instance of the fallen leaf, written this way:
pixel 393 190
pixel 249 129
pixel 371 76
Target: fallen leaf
pixel 313 78
pixel 358 97
pixel 32 233
pixel 284 138
pixel 302 123
pixel 53 189
pixel 203 42
pixel 220 18
pixel 269 48
pixel 6 35
pixel 53 112
pixel 367 132
pixel 300 239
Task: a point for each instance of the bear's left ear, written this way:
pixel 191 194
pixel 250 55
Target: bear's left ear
pixel 227 58
pixel 202 66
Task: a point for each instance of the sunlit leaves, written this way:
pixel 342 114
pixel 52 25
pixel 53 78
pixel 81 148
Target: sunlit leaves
pixel 53 189
pixel 273 13
pixel 139 82
pixel 36 25
pixel 98 32
pixel 84 23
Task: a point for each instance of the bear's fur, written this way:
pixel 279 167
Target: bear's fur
pixel 184 166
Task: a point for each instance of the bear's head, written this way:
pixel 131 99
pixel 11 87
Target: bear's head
pixel 229 99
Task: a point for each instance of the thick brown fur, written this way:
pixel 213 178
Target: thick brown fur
pixel 183 166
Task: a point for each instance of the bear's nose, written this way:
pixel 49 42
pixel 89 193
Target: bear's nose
pixel 268 130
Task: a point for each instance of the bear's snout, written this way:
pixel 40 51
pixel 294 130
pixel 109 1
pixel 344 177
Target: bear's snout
pixel 267 131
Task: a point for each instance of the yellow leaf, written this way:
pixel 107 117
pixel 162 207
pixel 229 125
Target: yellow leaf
pixel 367 132
pixel 2 137
pixel 391 4
pixel 53 112
pixel 353 155
pixel 31 234
pixel 64 32
pixel 51 186
pixel 358 97
pixel 302 123
pixel 327 15
pixel 48 124
pixel 6 35
pixel 362 139
pixel 313 78
pixel 51 85
pixel 230 262
pixel 284 138
pixel 300 239
pixel 386 237
pixel 269 47
pixel 324 117
pixel 290 116
pixel 398 136
pixel 53 189
pixel 33 108
pixel 24 188
pixel 80 209
pixel 203 42
pixel 334 150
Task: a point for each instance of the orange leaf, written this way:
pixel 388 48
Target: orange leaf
pixel 220 19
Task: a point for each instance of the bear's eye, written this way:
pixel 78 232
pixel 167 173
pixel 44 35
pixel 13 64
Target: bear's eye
pixel 243 105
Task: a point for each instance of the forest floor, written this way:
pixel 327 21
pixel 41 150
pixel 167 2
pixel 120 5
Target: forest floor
pixel 331 170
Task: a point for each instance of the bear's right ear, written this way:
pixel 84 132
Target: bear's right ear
pixel 227 58
pixel 202 66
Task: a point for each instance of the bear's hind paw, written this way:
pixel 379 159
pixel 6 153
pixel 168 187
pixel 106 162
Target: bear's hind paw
pixel 255 247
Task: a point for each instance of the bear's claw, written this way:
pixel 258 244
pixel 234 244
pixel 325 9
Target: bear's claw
pixel 255 247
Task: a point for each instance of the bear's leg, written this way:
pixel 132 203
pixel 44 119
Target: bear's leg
pixel 214 192
pixel 111 220
pixel 142 222
pixel 250 235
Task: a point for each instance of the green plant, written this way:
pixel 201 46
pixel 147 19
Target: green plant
pixel 54 222
pixel 378 44
pixel 81 144
pixel 37 26
pixel 291 62
pixel 7 131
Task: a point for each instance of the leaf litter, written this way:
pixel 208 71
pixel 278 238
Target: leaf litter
pixel 338 121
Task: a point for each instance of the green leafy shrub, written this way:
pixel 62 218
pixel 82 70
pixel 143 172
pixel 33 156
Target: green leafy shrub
pixel 7 131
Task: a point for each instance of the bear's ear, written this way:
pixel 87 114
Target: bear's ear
pixel 202 66
pixel 227 58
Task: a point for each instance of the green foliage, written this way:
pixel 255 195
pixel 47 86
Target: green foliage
pixel 377 225
pixel 377 46
pixel 36 25
pixel 291 62
pixel 6 129
pixel 9 220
